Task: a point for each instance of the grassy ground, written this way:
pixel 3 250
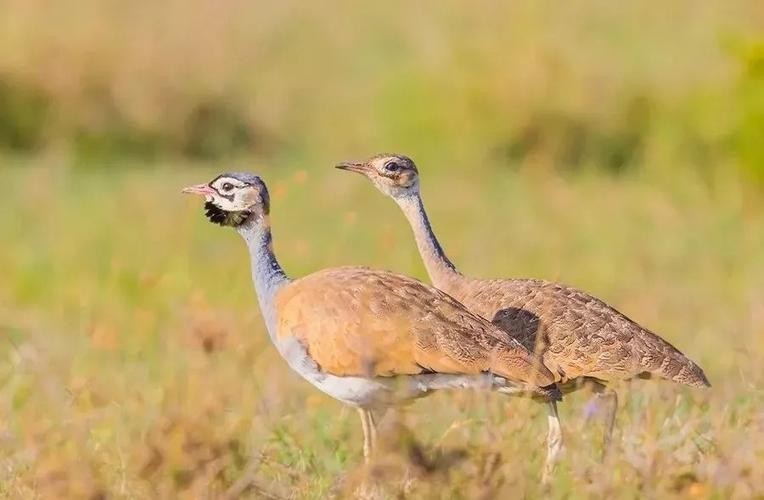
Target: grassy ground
pixel 133 361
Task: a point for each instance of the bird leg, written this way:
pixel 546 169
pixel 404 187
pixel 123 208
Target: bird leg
pixel 366 435
pixel 606 393
pixel 553 442
pixel 369 433
pixel 372 429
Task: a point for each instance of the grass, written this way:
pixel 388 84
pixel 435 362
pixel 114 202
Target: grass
pixel 133 361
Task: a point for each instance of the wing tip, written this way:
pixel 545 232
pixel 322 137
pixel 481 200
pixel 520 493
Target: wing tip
pixel 690 375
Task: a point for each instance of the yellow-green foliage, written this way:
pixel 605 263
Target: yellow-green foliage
pixel 569 86
pixel 134 361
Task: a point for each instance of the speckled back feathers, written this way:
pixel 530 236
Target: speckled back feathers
pixel 575 333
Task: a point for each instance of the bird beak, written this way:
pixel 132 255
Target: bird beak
pixel 354 166
pixel 201 190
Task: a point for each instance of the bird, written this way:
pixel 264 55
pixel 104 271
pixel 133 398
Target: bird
pixel 369 338
pixel 582 340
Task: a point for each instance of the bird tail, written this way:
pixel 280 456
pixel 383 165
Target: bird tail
pixel 683 370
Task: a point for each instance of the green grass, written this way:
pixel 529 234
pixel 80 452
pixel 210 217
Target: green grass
pixel 133 361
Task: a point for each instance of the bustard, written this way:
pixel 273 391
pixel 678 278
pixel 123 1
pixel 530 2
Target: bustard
pixel 366 337
pixel 580 339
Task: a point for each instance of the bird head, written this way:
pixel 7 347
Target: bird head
pixel 393 174
pixel 233 199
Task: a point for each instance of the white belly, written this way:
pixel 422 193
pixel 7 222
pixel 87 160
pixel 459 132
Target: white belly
pixel 383 391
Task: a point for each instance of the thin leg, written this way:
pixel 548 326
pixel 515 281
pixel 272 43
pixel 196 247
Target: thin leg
pixel 603 392
pixel 372 429
pixel 553 442
pixel 367 439
pixel 368 489
pixel 611 408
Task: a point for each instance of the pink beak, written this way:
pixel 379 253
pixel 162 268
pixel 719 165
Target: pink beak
pixel 201 190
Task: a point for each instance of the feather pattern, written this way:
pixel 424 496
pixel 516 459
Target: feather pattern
pixel 574 333
pixel 357 321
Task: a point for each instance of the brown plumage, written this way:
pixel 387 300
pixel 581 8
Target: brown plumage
pixel 365 322
pixel 576 334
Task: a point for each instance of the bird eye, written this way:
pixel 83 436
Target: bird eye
pixel 392 166
pixel 227 186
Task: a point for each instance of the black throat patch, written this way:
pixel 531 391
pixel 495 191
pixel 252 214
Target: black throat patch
pixel 217 215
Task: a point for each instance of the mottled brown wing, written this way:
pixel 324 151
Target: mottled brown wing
pixel 575 333
pixel 364 322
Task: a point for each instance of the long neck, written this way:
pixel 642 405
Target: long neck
pixel 267 274
pixel 440 269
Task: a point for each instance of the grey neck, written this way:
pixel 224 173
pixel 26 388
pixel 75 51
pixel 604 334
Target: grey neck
pixel 440 269
pixel 267 274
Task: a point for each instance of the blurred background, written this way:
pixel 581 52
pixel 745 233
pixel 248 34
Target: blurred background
pixel 617 147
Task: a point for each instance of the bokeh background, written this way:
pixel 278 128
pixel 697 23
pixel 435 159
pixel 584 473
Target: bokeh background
pixel 614 146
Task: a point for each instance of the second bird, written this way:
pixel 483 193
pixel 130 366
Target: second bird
pixel 580 339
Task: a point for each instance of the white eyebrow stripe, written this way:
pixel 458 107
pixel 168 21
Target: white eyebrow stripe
pixel 236 182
